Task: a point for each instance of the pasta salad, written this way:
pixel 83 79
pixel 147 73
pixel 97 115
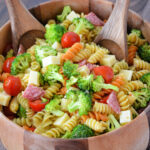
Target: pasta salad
pixel 66 86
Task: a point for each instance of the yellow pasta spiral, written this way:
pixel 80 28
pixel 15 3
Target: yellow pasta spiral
pixel 132 86
pixel 14 105
pixel 117 67
pixel 22 101
pixel 35 66
pixel 30 113
pixel 25 80
pixel 53 89
pixel 135 40
pixel 40 42
pixel 71 123
pixel 123 100
pixel 37 118
pixel 138 74
pixel 98 55
pixel 141 64
pixel 54 132
pixel 23 121
pixel 102 108
pixel 98 126
pixel 51 21
pixel 66 23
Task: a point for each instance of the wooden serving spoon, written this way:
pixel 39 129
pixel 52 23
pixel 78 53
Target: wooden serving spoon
pixel 114 33
pixel 25 28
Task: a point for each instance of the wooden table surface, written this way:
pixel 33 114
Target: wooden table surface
pixel 140 6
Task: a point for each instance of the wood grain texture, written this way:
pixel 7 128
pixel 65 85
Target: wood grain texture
pixel 134 136
pixel 113 34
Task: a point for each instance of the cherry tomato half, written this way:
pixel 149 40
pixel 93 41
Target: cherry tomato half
pixel 12 85
pixel 7 64
pixel 69 38
pixel 37 105
pixel 105 71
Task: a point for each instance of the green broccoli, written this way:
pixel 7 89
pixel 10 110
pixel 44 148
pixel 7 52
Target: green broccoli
pixel 82 103
pixel 72 81
pixel 98 84
pixel 142 97
pixel 10 53
pixel 52 74
pixel 64 14
pixel 41 79
pixel 84 83
pixel 82 23
pixel 44 51
pixel 20 63
pixel 81 131
pixel 146 78
pixel 144 52
pixel 54 106
pixel 72 94
pixel 113 123
pixel 67 135
pixel 137 32
pixel 70 69
pixel 54 32
pixel 21 112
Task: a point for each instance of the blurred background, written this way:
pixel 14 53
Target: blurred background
pixel 140 6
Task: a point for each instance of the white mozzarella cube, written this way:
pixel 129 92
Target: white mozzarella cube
pixel 84 70
pixel 72 15
pixel 61 120
pixel 127 74
pixel 56 46
pixel 4 99
pixel 125 117
pixel 108 60
pixel 51 60
pixel 34 78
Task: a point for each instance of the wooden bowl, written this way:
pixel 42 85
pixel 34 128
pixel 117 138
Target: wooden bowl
pixel 133 136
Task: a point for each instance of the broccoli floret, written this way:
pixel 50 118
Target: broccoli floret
pixel 10 53
pixel 99 84
pixel 72 81
pixel 84 83
pixel 72 95
pixel 41 79
pixel 20 63
pixel 83 103
pixel 21 112
pixel 82 23
pixel 141 98
pixel 137 32
pixel 67 135
pixel 113 123
pixel 146 78
pixel 44 51
pixel 52 74
pixel 144 52
pixel 54 32
pixel 64 14
pixel 70 69
pixel 81 131
pixel 54 106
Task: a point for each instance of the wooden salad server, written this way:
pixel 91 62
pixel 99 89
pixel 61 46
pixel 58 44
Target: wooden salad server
pixel 25 28
pixel 114 33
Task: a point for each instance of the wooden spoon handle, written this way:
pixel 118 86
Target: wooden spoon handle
pixel 21 21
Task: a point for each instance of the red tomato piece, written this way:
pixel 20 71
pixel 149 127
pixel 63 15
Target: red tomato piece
pixel 12 85
pixel 69 38
pixel 7 64
pixel 37 105
pixel 105 71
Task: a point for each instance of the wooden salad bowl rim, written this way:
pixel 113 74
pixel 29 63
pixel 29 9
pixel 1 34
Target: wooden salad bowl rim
pixel 137 129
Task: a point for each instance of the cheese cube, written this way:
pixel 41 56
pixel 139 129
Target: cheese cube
pixel 127 74
pixel 51 60
pixel 108 60
pixel 56 46
pixel 84 70
pixel 72 15
pixel 4 98
pixel 34 78
pixel 61 120
pixel 125 117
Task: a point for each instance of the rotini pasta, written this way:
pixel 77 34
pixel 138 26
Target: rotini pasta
pixel 138 74
pixel 141 64
pixel 23 121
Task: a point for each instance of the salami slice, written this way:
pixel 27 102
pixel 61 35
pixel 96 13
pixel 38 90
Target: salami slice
pixel 113 102
pixel 94 19
pixel 33 93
